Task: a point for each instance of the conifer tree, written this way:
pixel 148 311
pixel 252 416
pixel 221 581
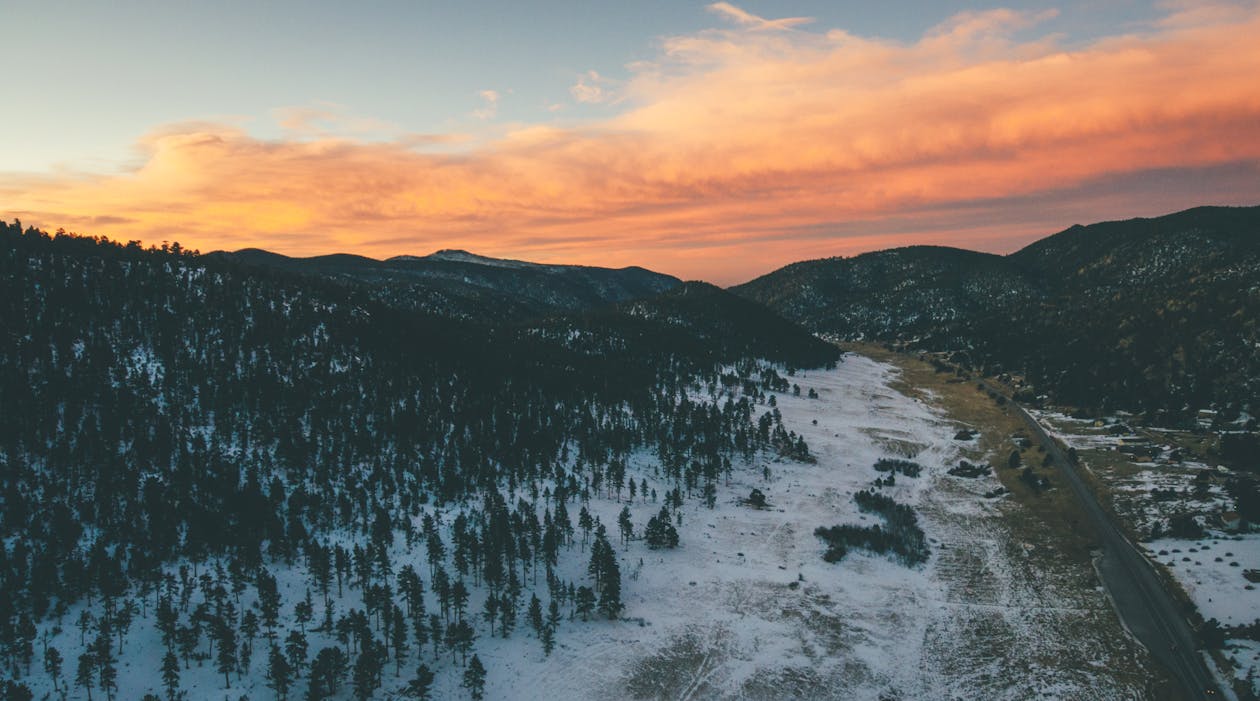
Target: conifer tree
pixel 295 649
pixel 585 602
pixel 52 666
pixel 624 524
pixel 398 637
pixel 279 672
pixel 610 591
pixel 364 676
pixel 475 678
pixel 507 614
pixel 85 674
pixel 548 637
pixel 420 687
pixel 226 660
pixel 535 614
pixel 103 655
pixel 170 675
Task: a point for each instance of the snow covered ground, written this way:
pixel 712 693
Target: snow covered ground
pixel 1147 493
pixel 720 618
pixel 1211 572
pixel 745 607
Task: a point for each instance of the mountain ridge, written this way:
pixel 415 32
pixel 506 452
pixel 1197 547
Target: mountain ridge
pixel 1148 313
pixel 469 286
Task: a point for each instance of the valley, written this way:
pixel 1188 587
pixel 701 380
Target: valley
pixel 250 476
pixel 745 607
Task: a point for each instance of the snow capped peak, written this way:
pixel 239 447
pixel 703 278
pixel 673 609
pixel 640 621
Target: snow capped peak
pixel 456 255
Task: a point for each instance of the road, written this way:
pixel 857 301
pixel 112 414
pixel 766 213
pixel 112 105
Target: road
pixel 1145 607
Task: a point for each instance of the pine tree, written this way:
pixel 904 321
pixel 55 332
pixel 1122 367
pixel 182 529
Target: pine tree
pixel 364 676
pixel 549 637
pixel 610 586
pixel 85 675
pixel 249 629
pixel 398 637
pixel 490 611
pixel 535 614
pixel 84 624
pixel 507 614
pixel 624 524
pixel 187 638
pixel 327 670
pixel 660 531
pixel 459 598
pixel 435 632
pixel 52 666
pixel 585 600
pixel 304 611
pixel 421 686
pixel 167 622
pixel 295 649
pixel 226 660
pixel 586 523
pixel 122 621
pixel 279 672
pixel 553 612
pixel 412 589
pixel 170 675
pixel 103 653
pixel 16 691
pixel 600 554
pixel 421 629
pixel 268 601
pixel 475 678
pixel 459 638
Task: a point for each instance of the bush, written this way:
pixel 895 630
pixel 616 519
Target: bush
pixel 1212 635
pixel 1185 526
pixel 900 534
pixel 966 469
pixel 905 467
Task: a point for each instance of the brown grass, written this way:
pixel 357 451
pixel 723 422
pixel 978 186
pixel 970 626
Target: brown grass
pixel 1052 524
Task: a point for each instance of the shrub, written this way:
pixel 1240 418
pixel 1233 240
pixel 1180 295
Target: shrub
pixel 905 467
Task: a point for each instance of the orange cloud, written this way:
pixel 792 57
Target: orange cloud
pixel 738 150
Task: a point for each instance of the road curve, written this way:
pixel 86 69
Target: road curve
pixel 1145 607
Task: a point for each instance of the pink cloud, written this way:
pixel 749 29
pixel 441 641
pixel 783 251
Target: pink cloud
pixel 736 150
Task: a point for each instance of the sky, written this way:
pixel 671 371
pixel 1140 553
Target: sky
pixel 712 141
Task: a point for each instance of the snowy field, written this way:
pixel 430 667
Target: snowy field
pixel 1211 572
pixel 746 607
pixel 721 619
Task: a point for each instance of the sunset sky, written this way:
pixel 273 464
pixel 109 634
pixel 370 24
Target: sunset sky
pixel 713 141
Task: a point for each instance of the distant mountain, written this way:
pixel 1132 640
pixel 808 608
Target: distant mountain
pixel 695 319
pixel 1159 314
pixel 464 285
pixel 898 293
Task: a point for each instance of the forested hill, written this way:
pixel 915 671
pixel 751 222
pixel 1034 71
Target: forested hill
pixel 1150 314
pixel 472 287
pixel 696 320
pixel 166 413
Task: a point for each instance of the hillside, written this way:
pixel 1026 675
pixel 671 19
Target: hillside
pixel 1149 314
pixel 272 475
pixel 919 290
pixel 472 287
pixel 696 319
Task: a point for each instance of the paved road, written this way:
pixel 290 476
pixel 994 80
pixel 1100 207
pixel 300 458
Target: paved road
pixel 1148 611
